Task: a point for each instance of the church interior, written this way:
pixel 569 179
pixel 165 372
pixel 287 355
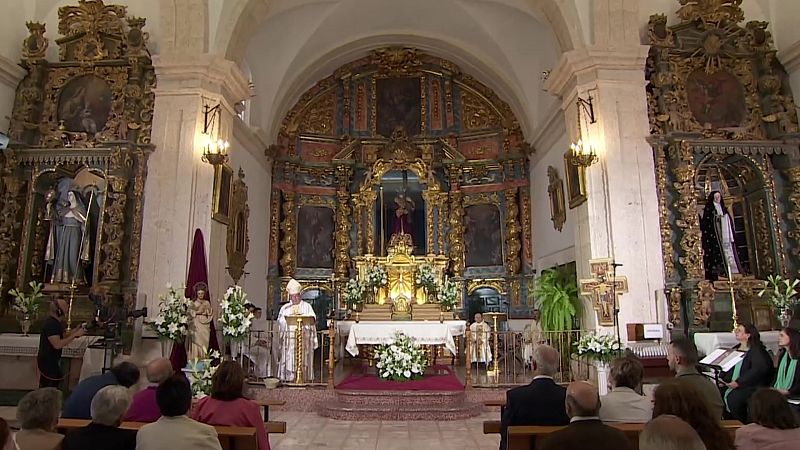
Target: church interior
pixel 307 187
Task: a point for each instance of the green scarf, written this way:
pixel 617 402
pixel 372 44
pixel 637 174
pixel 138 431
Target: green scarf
pixel 786 377
pixel 736 369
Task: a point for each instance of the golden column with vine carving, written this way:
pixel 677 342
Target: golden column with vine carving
pixel 457 232
pixel 441 203
pixel 288 242
pixel 525 203
pixel 342 263
pixel 512 232
pixel 9 222
pixel 430 204
pixel 794 212
pixel 686 205
pixel 369 198
pixel 663 213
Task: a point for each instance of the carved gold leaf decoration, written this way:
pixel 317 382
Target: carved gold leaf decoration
pixel 714 11
pixel 476 112
pixel 396 60
pixel 319 117
pixel 91 16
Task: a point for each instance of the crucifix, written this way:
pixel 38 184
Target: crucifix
pixel 604 289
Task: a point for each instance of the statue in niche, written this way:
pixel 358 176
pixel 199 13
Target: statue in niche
pixel 404 208
pixel 67 246
pixel 719 248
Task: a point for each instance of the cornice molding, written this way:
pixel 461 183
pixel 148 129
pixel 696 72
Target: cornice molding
pixel 178 74
pixel 790 57
pixel 10 72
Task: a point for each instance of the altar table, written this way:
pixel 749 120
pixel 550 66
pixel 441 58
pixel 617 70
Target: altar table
pixel 382 332
pixel 708 342
pixel 18 359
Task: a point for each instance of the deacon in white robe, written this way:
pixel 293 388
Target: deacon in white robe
pixel 532 337
pixel 288 336
pixel 479 334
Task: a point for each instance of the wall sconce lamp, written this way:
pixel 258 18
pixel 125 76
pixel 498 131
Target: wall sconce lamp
pixel 215 152
pixel 583 154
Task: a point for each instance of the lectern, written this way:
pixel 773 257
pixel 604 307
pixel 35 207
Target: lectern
pixel 496 318
pixel 300 322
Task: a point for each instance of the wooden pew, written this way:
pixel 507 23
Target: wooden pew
pixel 266 404
pixel 525 437
pixel 491 427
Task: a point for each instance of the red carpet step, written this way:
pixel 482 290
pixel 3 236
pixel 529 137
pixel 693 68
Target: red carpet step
pixel 361 405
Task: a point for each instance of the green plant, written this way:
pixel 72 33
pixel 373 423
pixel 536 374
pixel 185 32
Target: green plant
pixel 783 292
pixel 27 304
pixel 556 292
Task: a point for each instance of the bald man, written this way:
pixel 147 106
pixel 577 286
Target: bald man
pixel 539 403
pixel 52 341
pixel 143 405
pixel 669 432
pixel 583 406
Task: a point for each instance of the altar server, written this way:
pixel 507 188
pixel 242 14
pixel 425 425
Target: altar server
pixel 259 351
pixel 532 338
pixel 286 366
pixel 479 333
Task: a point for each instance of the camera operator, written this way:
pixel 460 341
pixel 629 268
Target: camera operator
pixel 51 342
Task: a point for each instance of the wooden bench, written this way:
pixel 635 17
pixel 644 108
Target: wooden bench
pixel 526 437
pixel 491 427
pixel 494 403
pixel 266 404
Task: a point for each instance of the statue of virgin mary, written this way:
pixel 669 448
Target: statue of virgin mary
pixel 201 323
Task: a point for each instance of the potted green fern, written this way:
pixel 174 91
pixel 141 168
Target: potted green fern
pixel 556 293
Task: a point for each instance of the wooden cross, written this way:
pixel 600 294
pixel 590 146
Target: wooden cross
pixel 604 289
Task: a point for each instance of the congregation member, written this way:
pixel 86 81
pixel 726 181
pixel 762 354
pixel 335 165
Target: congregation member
pixel 6 438
pixel 542 402
pixel 787 379
pixel 624 403
pixel 227 405
pixel 143 405
pixel 175 430
pixel 682 359
pixel 103 433
pixel 585 429
pixel 669 432
pixel 479 335
pixel 37 415
pixel 78 404
pixel 676 398
pixel 755 370
pixel 774 425
pixel 52 341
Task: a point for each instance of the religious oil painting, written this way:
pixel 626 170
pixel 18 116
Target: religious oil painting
pixel 576 183
pixel 716 100
pixel 84 105
pixel 315 237
pixel 399 106
pixel 223 185
pixel 483 236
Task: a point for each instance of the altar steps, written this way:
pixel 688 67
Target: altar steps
pixel 362 405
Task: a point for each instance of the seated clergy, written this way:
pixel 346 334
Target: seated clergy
pixel 103 433
pixel 259 351
pixel 479 336
pixel 624 403
pixel 144 407
pixel 296 307
pixel 78 404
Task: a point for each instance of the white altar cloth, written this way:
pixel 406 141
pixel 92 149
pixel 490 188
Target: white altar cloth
pixel 13 344
pixel 708 342
pixel 382 332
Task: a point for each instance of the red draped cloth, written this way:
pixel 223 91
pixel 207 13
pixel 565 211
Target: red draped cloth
pixel 197 277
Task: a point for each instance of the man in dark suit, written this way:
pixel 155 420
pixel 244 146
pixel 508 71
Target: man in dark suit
pixel 585 430
pixel 539 403
pixel 107 409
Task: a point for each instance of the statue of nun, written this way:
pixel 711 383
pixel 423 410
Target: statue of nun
pixel 71 240
pixel 719 249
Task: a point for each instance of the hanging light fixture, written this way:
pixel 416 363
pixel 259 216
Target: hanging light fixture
pixel 583 154
pixel 215 151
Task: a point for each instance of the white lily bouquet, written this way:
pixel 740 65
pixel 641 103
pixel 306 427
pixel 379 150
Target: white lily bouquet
pixel 782 292
pixel 376 277
pixel 234 317
pixel 598 347
pixel 173 316
pixel 27 305
pixel 200 372
pixel 426 278
pixel 446 293
pixel 353 292
pixel 401 360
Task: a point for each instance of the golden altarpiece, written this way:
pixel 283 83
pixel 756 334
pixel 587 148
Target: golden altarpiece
pixel 722 120
pixel 400 159
pixel 74 172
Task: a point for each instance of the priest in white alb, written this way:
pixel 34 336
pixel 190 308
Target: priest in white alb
pixel 532 337
pixel 288 335
pixel 479 333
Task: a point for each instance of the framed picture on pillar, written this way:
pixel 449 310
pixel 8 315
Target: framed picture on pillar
pixel 576 181
pixel 555 189
pixel 223 184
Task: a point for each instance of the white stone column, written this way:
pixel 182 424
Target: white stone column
pixel 620 219
pixel 179 186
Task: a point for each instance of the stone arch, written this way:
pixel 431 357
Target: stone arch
pixel 185 26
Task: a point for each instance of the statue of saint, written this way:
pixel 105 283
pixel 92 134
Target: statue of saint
pixel 70 246
pixel 201 314
pixel 402 214
pixel 719 248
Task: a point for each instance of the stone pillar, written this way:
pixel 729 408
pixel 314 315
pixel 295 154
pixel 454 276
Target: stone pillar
pixel 620 218
pixel 179 187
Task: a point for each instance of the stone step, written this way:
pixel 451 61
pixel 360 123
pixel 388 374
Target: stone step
pixel 401 399
pixel 393 411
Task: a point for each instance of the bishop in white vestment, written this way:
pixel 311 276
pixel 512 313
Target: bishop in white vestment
pixel 286 365
pixel 479 334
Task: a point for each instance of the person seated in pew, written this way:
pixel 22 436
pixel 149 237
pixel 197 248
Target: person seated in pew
pixel 227 406
pixel 78 404
pixel 755 370
pixel 103 433
pixel 6 437
pixel 624 403
pixel 669 432
pixel 585 429
pixel 682 359
pixel 787 379
pixel 683 400
pixel 175 430
pixel 37 414
pixel 774 426
pixel 539 403
pixel 143 406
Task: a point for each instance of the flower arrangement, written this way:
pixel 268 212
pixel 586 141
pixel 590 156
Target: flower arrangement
pixel 598 347
pixel 376 277
pixel 783 292
pixel 353 293
pixel 446 293
pixel 27 305
pixel 401 360
pixel 173 316
pixel 426 278
pixel 234 316
pixel 200 372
